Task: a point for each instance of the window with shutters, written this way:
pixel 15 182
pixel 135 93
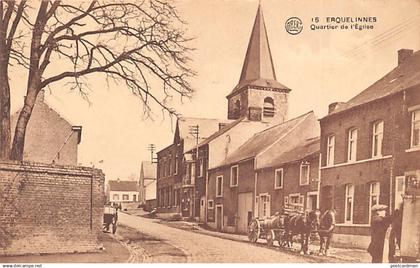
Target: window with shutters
pixel 268 110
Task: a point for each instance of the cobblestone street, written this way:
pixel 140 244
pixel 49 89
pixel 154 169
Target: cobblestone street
pixel 160 243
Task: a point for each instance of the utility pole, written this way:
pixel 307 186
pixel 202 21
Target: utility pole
pixel 152 149
pixel 194 131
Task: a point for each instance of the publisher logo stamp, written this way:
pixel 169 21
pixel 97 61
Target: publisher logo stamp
pixel 293 25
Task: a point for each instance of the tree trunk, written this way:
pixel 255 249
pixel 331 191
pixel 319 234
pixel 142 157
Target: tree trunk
pixel 24 116
pixel 4 113
pixel 4 98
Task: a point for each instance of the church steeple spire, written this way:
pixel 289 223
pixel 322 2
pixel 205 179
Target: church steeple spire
pixel 258 68
pixel 258 62
pixel 258 95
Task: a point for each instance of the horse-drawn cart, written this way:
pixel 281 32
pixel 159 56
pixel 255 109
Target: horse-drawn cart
pixel 272 229
pixel 110 219
pixel 283 227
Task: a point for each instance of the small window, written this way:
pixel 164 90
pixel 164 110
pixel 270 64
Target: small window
pixel 349 203
pixel 115 197
pixel 415 129
pixel 134 197
pixel 234 176
pixel 278 178
pixel 330 150
pixel 268 110
pixel 377 137
pixel 295 200
pixel 210 204
pixel 304 173
pixel 125 197
pixel 352 145
pixel 219 186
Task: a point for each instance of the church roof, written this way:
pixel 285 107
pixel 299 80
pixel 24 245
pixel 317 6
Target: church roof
pixel 258 67
pixel 275 137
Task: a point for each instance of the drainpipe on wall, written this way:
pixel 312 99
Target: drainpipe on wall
pixel 207 193
pixel 255 194
pixel 319 182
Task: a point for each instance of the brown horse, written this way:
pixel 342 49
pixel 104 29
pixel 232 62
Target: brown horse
pixel 301 224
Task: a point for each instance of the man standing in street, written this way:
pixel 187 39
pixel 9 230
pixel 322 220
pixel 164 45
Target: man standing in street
pixel 326 231
pixel 379 225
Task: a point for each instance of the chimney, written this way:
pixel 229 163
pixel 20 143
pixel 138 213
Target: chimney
pixel 334 106
pixel 254 114
pixel 404 54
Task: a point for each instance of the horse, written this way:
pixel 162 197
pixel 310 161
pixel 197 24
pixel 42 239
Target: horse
pixel 301 224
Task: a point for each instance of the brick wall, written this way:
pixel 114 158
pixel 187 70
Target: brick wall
pixel 49 209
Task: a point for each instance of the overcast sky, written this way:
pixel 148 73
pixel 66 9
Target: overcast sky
pixel 319 66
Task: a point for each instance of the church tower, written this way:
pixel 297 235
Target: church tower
pixel 258 95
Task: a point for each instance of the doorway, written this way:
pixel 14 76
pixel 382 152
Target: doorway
pixel 219 217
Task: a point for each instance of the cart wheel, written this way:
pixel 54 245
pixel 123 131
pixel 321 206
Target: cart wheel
pixel 114 228
pixel 270 237
pixel 254 231
pixel 281 239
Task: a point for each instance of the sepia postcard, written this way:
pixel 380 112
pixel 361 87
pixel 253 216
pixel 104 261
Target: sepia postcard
pixel 209 131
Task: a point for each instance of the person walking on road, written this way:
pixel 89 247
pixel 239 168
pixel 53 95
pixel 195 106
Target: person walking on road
pixel 379 225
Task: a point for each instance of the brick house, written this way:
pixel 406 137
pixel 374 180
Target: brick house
pixel 369 146
pixel 176 169
pixel 239 189
pixel 49 137
pixel 147 184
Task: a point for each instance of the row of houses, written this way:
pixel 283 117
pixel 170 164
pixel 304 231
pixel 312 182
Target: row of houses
pixel 257 162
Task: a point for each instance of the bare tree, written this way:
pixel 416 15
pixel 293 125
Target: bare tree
pixel 135 42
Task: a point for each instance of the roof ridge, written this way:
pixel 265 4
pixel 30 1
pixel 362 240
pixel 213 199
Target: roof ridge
pixel 285 122
pixel 300 119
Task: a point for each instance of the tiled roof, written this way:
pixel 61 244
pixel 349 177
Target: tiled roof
pixel 258 67
pixel 266 139
pixel 149 169
pixel 119 185
pixel 404 76
pixel 303 149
